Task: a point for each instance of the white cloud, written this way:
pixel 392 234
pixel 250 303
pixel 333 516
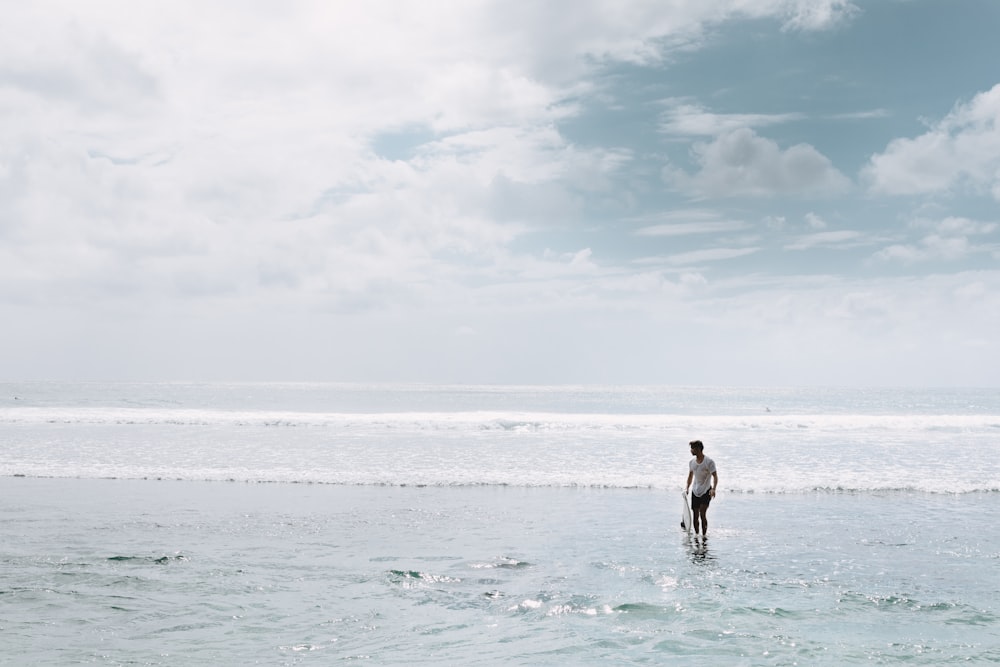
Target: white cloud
pixel 199 183
pixel 694 120
pixel 961 149
pixel 956 225
pixel 636 31
pixel 741 163
pixel 930 247
pixel 861 115
pixel 581 259
pixel 143 150
pixel 818 14
pixel 687 228
pixel 709 255
pixel 685 222
pixel 814 221
pixel 948 240
pixel 841 238
pixel 861 306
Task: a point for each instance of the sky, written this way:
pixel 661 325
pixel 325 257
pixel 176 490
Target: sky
pixel 678 192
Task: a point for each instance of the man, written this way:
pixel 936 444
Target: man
pixel 706 481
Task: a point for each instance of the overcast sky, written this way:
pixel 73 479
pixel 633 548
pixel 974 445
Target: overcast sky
pixel 752 192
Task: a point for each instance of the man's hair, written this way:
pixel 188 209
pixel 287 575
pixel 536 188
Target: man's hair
pixel 697 445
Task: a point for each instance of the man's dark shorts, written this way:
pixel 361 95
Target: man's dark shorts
pixel 701 501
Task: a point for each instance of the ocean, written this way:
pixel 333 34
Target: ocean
pixel 286 524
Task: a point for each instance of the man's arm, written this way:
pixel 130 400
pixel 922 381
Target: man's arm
pixel 690 477
pixel 715 483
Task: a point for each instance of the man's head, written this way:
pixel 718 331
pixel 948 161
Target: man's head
pixel 696 447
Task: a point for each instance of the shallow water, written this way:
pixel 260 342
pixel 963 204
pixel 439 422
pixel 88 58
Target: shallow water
pixel 166 572
pixel 485 525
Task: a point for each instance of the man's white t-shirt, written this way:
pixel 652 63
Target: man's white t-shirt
pixel 702 482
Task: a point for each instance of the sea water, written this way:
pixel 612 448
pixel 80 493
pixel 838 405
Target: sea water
pixel 313 524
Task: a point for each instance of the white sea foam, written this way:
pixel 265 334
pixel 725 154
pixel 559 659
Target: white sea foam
pixel 848 446
pixel 496 420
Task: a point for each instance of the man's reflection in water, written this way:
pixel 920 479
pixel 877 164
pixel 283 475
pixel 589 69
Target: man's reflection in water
pixel 697 547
